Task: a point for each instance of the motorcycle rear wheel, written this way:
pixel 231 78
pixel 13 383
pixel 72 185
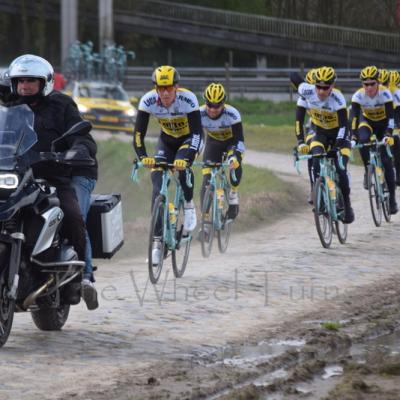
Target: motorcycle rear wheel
pixel 7 308
pixel 51 319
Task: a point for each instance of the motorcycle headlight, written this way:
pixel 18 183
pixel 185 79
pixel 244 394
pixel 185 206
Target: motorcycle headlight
pixel 82 108
pixel 131 112
pixel 8 181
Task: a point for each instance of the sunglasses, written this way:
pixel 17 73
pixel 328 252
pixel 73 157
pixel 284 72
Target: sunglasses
pixel 319 87
pixel 168 89
pixel 369 83
pixel 26 80
pixel 213 105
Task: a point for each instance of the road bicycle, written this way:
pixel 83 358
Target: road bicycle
pixel 378 191
pixel 328 199
pixel 166 227
pixel 214 212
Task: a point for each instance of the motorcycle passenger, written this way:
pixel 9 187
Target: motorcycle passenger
pixel 372 114
pixel 223 126
pixel 177 112
pixel 32 79
pixel 327 108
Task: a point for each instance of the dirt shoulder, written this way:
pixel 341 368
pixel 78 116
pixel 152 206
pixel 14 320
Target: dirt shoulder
pixel 187 338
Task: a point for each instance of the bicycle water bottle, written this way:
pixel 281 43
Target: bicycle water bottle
pixel 220 198
pixel 172 213
pixel 379 172
pixel 331 187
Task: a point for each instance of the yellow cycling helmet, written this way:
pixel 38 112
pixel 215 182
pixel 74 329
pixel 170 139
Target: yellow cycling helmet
pixel 370 72
pixel 383 77
pixel 394 78
pixel 325 75
pixel 214 93
pixel 310 76
pixel 165 76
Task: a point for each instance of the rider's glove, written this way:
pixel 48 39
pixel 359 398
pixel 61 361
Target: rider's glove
pixel 303 148
pixel 233 162
pixel 388 140
pixel 180 164
pixel 148 162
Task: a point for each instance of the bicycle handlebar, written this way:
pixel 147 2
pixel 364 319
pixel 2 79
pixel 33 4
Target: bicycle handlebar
pixel 375 143
pixel 209 164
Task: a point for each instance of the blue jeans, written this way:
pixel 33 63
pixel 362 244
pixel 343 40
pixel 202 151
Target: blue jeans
pixel 83 187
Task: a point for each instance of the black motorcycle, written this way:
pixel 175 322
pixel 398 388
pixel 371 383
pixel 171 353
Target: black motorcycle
pixel 39 271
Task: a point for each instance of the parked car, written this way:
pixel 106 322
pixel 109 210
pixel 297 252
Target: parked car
pixel 107 106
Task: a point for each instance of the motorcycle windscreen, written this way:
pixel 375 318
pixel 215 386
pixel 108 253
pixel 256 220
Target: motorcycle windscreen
pixel 17 134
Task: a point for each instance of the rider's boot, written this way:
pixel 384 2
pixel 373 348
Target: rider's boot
pixel 89 294
pixel 393 204
pixel 233 200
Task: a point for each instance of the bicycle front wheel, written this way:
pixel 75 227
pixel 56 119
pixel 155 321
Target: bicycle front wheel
pixel 180 254
pixel 322 217
pixel 207 222
pixel 224 232
pixel 373 192
pixel 386 203
pixel 156 240
pixel 340 227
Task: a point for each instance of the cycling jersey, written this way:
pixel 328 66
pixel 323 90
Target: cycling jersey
pixel 178 122
pixel 227 127
pixel 329 115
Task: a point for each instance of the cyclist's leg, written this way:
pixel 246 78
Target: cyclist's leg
pixel 233 200
pixel 208 156
pixel 396 155
pixel 344 183
pixel 318 146
pixel 309 137
pixel 364 136
pixel 389 175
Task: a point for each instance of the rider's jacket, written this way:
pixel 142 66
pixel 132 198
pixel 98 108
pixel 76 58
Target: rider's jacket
pixel 179 122
pixel 227 127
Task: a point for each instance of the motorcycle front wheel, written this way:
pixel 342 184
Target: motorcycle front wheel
pixel 7 308
pixel 51 319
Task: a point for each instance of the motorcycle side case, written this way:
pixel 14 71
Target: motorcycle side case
pixel 105 225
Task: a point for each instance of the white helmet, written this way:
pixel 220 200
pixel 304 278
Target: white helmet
pixel 32 66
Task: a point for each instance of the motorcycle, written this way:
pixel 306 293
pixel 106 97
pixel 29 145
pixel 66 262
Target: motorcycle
pixel 39 271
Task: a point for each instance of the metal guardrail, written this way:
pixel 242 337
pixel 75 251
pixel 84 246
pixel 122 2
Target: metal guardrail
pixel 290 29
pixel 241 81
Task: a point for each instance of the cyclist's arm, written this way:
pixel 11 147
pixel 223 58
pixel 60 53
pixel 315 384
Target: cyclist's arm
pixel 355 118
pixel 296 79
pixel 196 130
pixel 343 123
pixel 390 117
pixel 396 113
pixel 142 121
pixel 237 132
pixel 300 116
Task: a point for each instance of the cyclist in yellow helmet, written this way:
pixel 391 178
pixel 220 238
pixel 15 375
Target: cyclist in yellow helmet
pixel 222 124
pixel 383 77
pixel 177 112
pixel 372 114
pixel 394 82
pixel 327 108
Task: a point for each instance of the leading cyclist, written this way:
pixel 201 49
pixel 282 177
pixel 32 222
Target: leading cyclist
pixel 177 111
pixel 327 108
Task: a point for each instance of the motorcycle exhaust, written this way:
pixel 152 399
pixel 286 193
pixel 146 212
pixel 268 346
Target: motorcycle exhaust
pixel 34 295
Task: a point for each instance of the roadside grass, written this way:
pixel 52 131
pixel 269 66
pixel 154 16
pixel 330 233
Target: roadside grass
pixel 263 196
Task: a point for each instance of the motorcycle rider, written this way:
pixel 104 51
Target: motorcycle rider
pixel 32 80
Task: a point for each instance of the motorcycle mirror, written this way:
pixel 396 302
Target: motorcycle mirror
pixel 80 126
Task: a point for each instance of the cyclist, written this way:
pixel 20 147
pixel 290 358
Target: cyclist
pixel 224 130
pixel 372 114
pixel 394 82
pixel 327 108
pixel 177 111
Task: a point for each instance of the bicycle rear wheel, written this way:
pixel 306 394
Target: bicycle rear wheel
pixel 207 222
pixel 386 203
pixel 340 227
pixel 374 201
pixel 224 232
pixel 180 254
pixel 156 239
pixel 322 217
